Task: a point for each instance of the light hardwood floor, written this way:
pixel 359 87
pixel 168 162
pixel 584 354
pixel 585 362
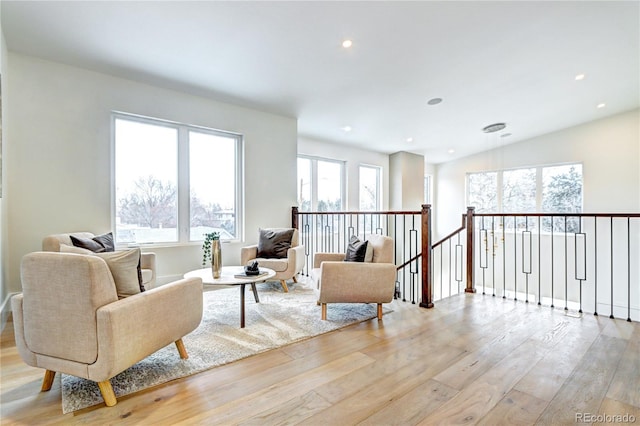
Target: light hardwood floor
pixel 472 359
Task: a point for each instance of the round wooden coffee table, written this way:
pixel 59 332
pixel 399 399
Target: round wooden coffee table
pixel 228 277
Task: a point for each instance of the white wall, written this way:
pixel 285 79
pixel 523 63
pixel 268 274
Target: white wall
pixel 407 181
pixel 609 150
pixel 354 158
pixel 59 176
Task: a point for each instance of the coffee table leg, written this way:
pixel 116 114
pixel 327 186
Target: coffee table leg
pixel 242 305
pixel 255 292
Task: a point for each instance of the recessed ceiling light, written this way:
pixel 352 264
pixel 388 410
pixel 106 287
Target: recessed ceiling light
pixel 409 140
pixel 346 129
pixel 347 43
pixel 580 77
pixel 601 105
pixel 434 101
pixel 451 151
pixel 496 127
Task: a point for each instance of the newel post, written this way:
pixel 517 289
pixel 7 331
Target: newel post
pixel 470 233
pixel 294 217
pixel 427 284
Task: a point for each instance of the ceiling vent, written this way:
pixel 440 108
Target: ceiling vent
pixel 496 127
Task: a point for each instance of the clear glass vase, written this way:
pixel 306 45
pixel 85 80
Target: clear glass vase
pixel 216 258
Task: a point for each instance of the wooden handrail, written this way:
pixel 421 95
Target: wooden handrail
pixel 403 212
pixel 449 236
pixel 557 214
pixel 413 259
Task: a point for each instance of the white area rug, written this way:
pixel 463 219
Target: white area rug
pixel 279 319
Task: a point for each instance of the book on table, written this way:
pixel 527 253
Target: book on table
pixel 245 275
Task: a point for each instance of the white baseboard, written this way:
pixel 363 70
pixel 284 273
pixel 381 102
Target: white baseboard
pixel 5 310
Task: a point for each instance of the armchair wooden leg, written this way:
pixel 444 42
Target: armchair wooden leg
pixel 107 393
pixel 295 280
pixel 284 286
pixel 181 349
pixel 324 311
pixel 379 311
pixel 47 382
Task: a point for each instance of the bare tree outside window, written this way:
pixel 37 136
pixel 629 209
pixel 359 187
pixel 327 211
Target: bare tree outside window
pixel 519 190
pixel 329 186
pixel 482 192
pixel 369 188
pixel 151 204
pixel 562 193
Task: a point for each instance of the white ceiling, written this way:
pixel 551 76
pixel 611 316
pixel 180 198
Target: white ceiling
pixel 512 62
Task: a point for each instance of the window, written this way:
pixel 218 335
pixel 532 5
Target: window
pixel 166 188
pixel 304 184
pixel 428 189
pixel 369 188
pixel 519 190
pixel 556 189
pixel 482 191
pixel 320 184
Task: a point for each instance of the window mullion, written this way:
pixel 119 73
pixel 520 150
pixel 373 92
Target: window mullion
pixel 539 189
pixel 184 192
pixel 499 191
pixel 314 185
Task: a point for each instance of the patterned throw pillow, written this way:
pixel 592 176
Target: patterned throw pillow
pixel 356 250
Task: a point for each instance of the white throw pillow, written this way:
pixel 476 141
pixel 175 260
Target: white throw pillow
pixel 368 255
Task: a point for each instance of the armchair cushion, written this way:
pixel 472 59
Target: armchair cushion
pixel 274 243
pixel 278 265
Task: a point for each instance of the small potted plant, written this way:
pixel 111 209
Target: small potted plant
pixel 212 252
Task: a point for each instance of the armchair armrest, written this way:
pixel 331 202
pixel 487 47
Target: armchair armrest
pixel 148 261
pixel 296 257
pixel 356 282
pixel 318 258
pixel 248 253
pixel 163 315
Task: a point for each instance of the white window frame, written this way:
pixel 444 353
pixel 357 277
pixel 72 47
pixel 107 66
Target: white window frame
pixel 314 180
pixel 183 187
pixel 539 184
pixel 428 189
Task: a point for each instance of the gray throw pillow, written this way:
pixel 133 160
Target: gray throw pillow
pixel 274 243
pixel 97 244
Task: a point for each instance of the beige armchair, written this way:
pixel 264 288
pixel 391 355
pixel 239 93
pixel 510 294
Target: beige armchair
pixel 69 319
pixel 58 242
pixel 287 267
pixel 356 282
